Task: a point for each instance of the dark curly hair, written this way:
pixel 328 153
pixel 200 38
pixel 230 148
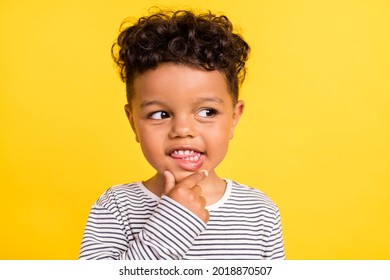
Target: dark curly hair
pixel 205 41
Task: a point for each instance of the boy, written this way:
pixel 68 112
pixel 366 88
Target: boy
pixel 182 73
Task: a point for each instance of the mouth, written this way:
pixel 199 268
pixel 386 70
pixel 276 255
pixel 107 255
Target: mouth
pixel 189 155
pixel 188 159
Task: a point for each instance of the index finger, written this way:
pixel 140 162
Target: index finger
pixel 193 179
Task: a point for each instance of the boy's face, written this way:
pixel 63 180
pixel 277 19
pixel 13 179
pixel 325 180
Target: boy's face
pixel 183 118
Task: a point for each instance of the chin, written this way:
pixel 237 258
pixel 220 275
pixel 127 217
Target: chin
pixel 181 175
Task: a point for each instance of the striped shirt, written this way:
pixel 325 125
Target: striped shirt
pixel 130 222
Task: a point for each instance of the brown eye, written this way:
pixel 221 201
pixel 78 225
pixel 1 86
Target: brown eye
pixel 159 115
pixel 207 113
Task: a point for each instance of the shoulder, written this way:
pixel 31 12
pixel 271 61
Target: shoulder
pixel 247 196
pixel 130 193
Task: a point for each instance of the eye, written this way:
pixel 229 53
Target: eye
pixel 159 115
pixel 207 113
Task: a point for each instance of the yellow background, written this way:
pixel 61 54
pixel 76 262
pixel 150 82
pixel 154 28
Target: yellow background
pixel 315 136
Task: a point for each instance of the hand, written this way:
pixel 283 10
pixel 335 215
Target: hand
pixel 188 193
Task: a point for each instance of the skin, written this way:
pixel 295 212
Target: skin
pixel 184 117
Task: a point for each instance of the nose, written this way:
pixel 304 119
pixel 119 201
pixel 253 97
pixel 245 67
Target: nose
pixel 182 127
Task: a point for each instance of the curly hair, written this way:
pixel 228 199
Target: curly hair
pixel 205 41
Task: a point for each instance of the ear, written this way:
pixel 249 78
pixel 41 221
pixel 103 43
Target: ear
pixel 237 112
pixel 130 117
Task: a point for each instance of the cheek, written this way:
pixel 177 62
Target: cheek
pixel 153 143
pixel 148 149
pixel 223 130
pixel 149 135
pixel 153 153
pixel 218 139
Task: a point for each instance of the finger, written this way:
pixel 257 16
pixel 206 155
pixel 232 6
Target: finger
pixel 203 201
pixel 197 190
pixel 169 181
pixel 193 179
pixel 205 216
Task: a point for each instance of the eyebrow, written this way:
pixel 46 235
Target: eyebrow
pixel 210 99
pixel 150 103
pixel 147 103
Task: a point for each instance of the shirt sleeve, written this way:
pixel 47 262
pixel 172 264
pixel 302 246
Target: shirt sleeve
pixel 275 243
pixel 167 235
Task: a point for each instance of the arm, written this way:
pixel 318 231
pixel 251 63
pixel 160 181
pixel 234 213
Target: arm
pixel 275 247
pixel 168 234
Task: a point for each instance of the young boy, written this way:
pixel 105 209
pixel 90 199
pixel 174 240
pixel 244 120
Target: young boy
pixel 182 73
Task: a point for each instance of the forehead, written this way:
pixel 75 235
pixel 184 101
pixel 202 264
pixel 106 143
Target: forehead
pixel 171 80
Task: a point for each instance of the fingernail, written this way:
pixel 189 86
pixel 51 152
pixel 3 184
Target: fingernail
pixel 205 172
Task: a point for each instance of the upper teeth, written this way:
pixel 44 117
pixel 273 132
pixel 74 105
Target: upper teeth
pixel 183 152
pixel 188 154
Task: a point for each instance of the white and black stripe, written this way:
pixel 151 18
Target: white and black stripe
pixel 130 222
